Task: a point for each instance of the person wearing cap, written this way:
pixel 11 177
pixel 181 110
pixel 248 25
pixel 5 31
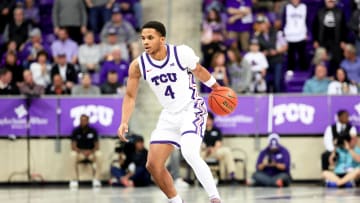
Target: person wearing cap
pixel 66 45
pixel 107 46
pixel 272 45
pixel 99 13
pixel 65 70
pixel 70 15
pixel 240 21
pixel 85 88
pixel 330 31
pixel 89 54
pixel 259 65
pixel 125 32
pixel 345 160
pixel 273 165
pixel 333 132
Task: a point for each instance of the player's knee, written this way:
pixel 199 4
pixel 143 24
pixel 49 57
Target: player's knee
pixel 151 166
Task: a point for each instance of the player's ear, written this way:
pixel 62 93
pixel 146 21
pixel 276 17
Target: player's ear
pixel 162 40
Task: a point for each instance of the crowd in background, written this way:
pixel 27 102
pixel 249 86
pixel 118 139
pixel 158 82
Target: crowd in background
pixel 79 47
pixel 257 46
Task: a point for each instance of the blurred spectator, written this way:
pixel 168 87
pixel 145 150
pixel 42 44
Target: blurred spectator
pixel 116 64
pixel 333 132
pixel 31 12
pixel 85 147
pixel 29 88
pixel 345 159
pixel 319 83
pixel 354 25
pixel 341 84
pixel 211 24
pixel 124 31
pixel 111 85
pixel 329 31
pixel 16 70
pixel 41 70
pixel 99 13
pixel 85 88
pixel 57 87
pixel 239 21
pixel 32 47
pixel 239 71
pixel 219 68
pixel 213 4
pixel 351 63
pixel 111 42
pixel 295 30
pixel 138 12
pixel 320 57
pixel 258 65
pixel 10 47
pixel 5 83
pixel 273 165
pixel 271 44
pixel 70 15
pixel 6 7
pixel 135 163
pixel 89 54
pixel 65 70
pixel 214 148
pixel 17 29
pixel 65 45
pixel 216 45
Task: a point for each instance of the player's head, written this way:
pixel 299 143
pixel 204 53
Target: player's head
pixel 343 116
pixel 153 34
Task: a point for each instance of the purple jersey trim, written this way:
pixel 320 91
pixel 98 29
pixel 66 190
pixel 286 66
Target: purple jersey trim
pixel 165 142
pixel 199 119
pixel 143 66
pixel 192 85
pixel 166 61
pixel 177 59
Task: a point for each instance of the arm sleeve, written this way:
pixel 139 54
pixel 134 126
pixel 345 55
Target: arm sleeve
pixel 187 57
pixel 328 139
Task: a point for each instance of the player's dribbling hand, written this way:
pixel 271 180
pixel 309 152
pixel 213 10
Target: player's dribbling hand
pixel 122 130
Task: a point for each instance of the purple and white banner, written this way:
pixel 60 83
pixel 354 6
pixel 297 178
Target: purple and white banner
pixel 349 103
pixel 13 117
pixel 104 114
pixel 43 117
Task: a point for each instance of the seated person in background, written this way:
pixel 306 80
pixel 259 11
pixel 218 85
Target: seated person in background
pixel 29 87
pixel 259 64
pixel 41 69
pixel 85 146
pixel 345 159
pixel 341 84
pixel 351 63
pixel 31 12
pixel 133 170
pixel 57 87
pixel 112 85
pixel 16 69
pixel 213 148
pixel 333 132
pixel 85 88
pixel 273 165
pixel 108 45
pixel 320 57
pixel 65 45
pixel 65 70
pixel 89 54
pixel 116 64
pixel 5 83
pixel 319 83
pixel 239 71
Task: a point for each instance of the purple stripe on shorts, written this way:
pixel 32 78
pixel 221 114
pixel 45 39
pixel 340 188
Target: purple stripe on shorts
pixel 165 142
pixel 199 105
pixel 164 64
pixel 177 59
pixel 143 66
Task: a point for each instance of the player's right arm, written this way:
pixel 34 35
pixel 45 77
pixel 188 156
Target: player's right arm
pixel 129 98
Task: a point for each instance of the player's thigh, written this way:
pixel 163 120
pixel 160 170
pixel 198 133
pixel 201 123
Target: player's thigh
pixel 167 130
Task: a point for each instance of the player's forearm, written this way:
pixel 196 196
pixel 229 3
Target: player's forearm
pixel 203 75
pixel 127 108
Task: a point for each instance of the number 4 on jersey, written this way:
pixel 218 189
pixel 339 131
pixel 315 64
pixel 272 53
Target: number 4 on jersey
pixel 169 92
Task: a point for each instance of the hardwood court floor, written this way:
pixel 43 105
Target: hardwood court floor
pixel 230 194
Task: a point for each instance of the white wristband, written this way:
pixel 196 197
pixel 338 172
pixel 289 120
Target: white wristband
pixel 210 82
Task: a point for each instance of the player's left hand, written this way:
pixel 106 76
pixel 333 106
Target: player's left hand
pixel 122 130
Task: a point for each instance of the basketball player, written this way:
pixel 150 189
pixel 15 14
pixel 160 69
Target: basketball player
pixel 170 71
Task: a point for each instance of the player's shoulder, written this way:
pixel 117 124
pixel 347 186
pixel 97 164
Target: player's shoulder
pixel 183 48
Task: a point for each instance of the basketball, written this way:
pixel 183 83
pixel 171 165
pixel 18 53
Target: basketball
pixel 222 101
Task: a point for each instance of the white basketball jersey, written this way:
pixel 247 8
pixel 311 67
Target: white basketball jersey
pixel 171 79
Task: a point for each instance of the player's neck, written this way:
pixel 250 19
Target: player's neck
pixel 160 55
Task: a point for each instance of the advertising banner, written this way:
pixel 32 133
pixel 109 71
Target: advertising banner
pixel 349 103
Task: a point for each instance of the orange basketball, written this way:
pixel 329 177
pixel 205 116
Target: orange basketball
pixel 222 101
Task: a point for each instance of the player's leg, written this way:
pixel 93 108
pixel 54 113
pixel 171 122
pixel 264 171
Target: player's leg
pixel 190 149
pixel 158 154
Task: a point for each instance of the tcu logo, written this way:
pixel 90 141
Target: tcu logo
pixel 164 78
pixel 357 108
pixel 293 113
pixel 96 113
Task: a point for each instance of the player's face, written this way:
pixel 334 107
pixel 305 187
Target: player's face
pixel 151 40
